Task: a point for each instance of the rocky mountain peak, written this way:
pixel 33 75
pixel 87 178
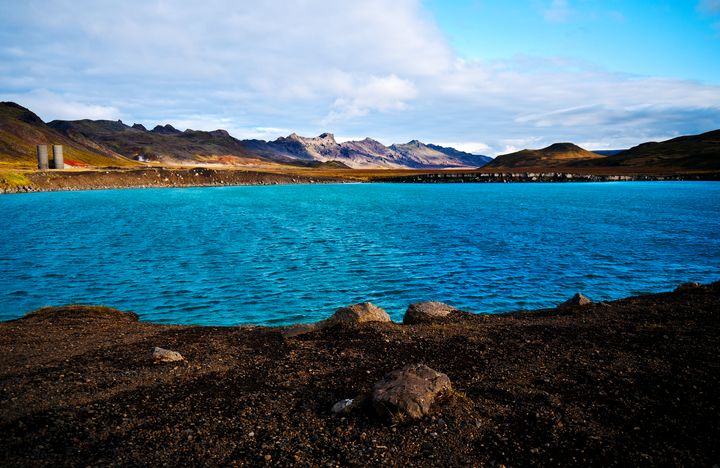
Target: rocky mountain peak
pixel 220 133
pixel 166 129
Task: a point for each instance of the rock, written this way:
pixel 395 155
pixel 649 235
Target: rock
pixel 423 312
pixel 359 313
pixel 165 355
pixel 577 300
pixel 299 329
pixel 408 393
pixel 343 406
pixel 356 313
pixel 687 287
pixel 75 311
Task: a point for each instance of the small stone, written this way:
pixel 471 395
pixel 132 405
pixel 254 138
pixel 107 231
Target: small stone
pixel 577 300
pixel 409 393
pixel 165 355
pixel 268 457
pixel 299 329
pixel 424 312
pixel 343 406
pixel 687 287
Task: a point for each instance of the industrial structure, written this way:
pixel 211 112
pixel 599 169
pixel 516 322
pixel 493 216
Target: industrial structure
pixel 58 161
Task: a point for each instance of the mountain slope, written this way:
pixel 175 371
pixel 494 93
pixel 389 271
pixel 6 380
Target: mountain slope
pixel 556 155
pixel 21 130
pixel 163 143
pixel 687 152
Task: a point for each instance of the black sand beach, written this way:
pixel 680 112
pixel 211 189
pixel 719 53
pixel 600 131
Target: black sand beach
pixel 631 382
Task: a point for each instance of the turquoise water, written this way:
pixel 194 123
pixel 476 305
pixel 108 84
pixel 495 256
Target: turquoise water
pixel 286 254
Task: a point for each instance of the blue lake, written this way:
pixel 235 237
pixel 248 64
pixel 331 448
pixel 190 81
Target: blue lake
pixel 287 254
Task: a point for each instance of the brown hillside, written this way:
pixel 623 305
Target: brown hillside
pixel 556 155
pixel 20 132
pixel 696 152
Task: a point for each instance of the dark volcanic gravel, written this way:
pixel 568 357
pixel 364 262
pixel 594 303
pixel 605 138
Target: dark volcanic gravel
pixel 634 382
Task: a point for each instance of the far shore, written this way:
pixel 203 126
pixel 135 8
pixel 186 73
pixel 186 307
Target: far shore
pixel 24 180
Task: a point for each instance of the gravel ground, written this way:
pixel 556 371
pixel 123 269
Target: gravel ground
pixel 631 383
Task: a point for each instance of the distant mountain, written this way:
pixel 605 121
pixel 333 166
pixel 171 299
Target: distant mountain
pixel 556 155
pixel 21 130
pixel 418 154
pixel 367 153
pixel 324 148
pixel 699 152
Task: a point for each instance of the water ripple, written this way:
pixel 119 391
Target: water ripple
pixel 284 254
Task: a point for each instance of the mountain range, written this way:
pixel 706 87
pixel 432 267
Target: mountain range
pixel 105 142
pixel 113 143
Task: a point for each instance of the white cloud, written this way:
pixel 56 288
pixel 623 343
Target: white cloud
pixel 52 106
pixel 384 94
pixel 558 11
pixel 378 68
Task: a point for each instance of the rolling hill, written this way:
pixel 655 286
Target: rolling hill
pixel 556 155
pixel 692 152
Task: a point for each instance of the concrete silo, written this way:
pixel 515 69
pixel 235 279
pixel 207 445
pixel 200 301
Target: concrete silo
pixel 58 161
pixel 42 155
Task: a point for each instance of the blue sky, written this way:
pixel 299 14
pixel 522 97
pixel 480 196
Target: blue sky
pixel 483 76
pixel 679 38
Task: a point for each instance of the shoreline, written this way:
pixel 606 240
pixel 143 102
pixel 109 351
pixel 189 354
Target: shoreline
pixel 631 381
pixel 163 177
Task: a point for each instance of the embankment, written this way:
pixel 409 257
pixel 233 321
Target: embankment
pixel 155 177
pixel 113 178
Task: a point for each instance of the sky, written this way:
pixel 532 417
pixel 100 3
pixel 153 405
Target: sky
pixel 484 76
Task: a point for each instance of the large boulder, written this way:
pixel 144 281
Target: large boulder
pixel 424 312
pixel 408 393
pixel 359 313
pixel 577 300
